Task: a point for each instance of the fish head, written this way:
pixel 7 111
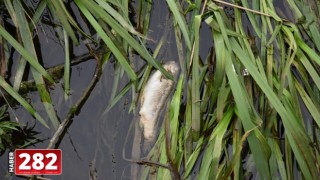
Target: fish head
pixel 172 67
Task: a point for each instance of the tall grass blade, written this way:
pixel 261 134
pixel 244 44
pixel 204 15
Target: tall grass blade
pixel 23 102
pixel 61 13
pixel 28 43
pixel 66 74
pixel 120 57
pixel 213 151
pixel 195 83
pixel 38 14
pixel 181 21
pixel 30 58
pixel 296 135
pixel 117 16
pixel 314 111
pixel 141 50
pixel 245 111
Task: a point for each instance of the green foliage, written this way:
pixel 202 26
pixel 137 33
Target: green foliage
pixel 6 129
pixel 243 97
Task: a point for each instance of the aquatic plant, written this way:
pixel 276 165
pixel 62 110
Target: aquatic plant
pixel 6 130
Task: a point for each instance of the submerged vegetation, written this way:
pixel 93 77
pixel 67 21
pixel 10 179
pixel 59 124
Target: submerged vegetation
pixel 249 108
pixel 6 129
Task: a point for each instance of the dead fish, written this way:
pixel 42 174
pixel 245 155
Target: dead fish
pixel 154 97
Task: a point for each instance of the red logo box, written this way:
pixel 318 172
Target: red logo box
pixel 38 162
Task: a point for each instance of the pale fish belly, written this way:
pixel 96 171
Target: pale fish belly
pixel 154 97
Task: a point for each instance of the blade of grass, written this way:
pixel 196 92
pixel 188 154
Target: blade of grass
pixel 11 11
pixel 28 43
pixel 297 136
pixel 174 115
pixel 124 23
pixel 62 14
pixel 22 62
pixel 310 69
pixel 312 54
pixel 244 114
pixel 219 74
pixel 188 143
pixel 72 21
pixel 309 104
pixel 252 19
pixel 195 82
pixel 236 140
pixel 140 48
pixel 115 84
pixel 181 22
pixel 119 96
pixel 122 60
pixel 19 73
pixel 235 157
pixel 213 152
pixel 24 103
pixel 66 73
pixel 37 14
pixel 277 155
pixel 297 13
pixel 190 163
pixel 244 109
pixel 214 25
pixel 30 58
